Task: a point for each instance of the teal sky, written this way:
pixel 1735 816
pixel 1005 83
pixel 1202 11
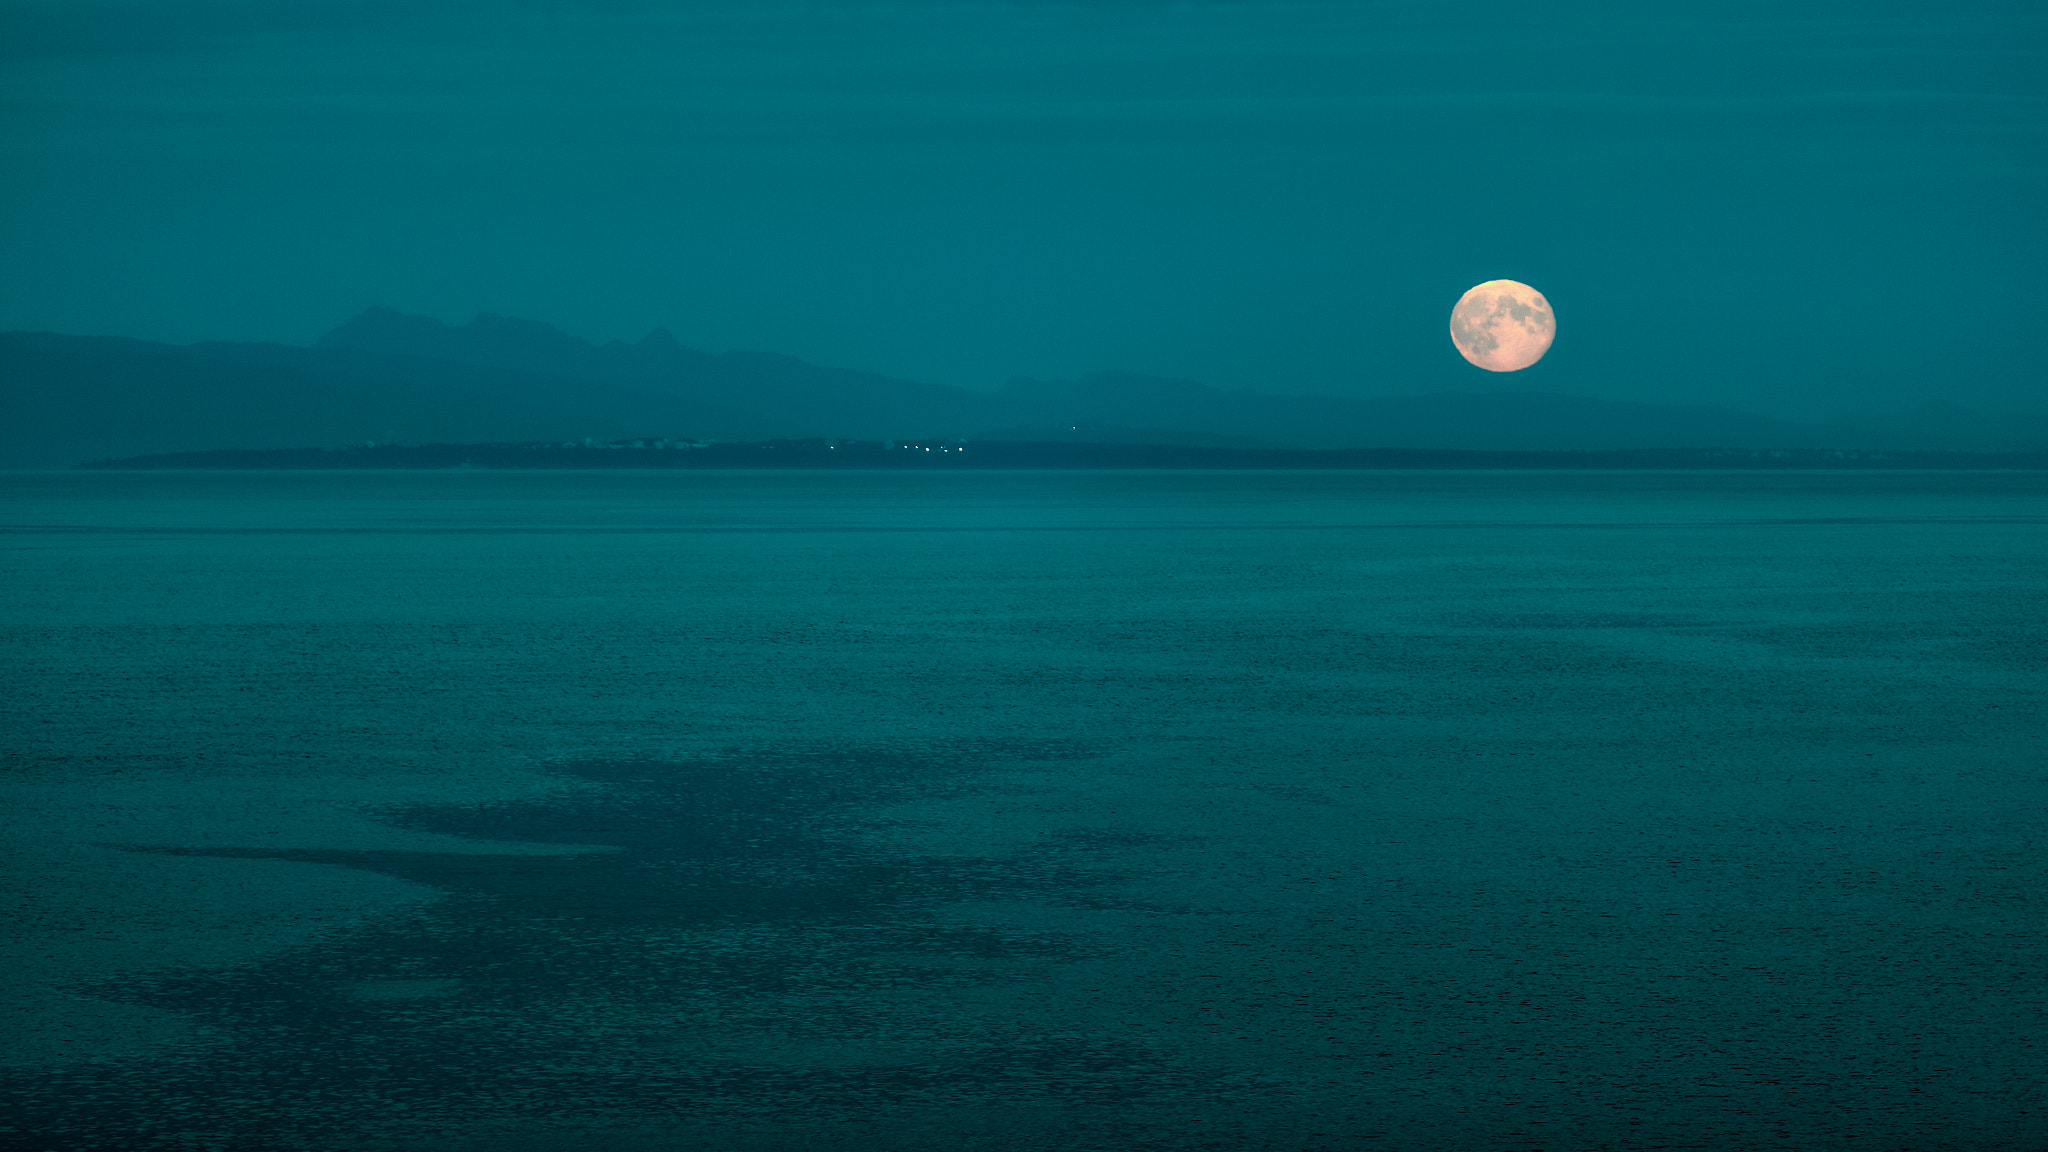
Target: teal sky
pixel 1800 208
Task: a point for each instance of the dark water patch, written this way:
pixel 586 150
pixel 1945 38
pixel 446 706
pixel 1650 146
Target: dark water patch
pixel 751 944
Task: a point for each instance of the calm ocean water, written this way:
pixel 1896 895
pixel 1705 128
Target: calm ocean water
pixel 1147 811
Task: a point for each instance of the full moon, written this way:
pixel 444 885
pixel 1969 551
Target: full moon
pixel 1503 325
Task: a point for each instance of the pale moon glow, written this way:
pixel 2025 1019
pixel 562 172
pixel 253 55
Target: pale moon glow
pixel 1503 325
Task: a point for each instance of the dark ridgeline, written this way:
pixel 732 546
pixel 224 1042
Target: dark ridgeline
pixel 999 454
pixel 385 377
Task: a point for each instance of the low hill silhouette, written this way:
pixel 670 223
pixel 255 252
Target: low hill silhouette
pixel 64 399
pixel 986 455
pixel 1491 421
pixel 786 395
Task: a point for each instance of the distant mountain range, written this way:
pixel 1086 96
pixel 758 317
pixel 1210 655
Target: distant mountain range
pixel 388 377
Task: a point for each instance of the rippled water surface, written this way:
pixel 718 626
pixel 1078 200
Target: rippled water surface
pixel 1011 811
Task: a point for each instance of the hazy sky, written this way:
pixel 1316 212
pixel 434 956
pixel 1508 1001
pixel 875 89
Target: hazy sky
pixel 1795 207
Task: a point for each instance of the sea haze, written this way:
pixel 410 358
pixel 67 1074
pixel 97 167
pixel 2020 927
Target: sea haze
pixel 1025 811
